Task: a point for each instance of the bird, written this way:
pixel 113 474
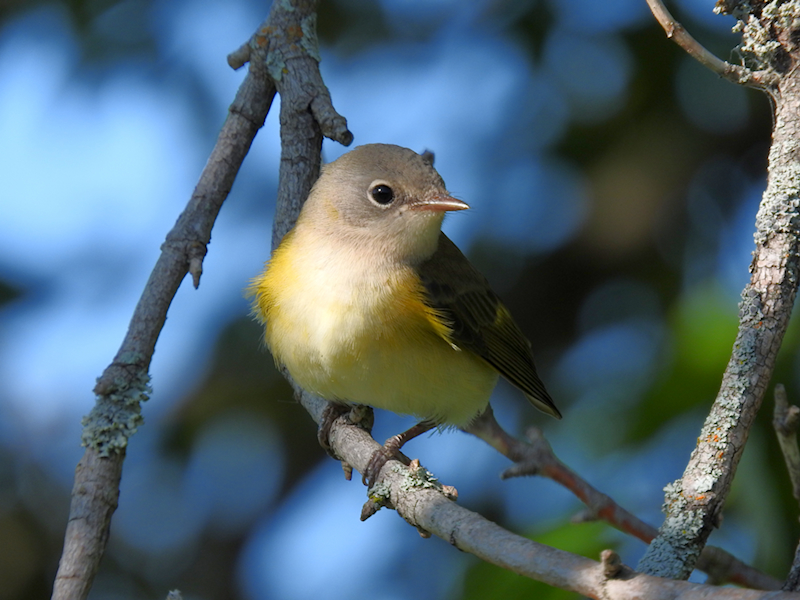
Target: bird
pixel 366 301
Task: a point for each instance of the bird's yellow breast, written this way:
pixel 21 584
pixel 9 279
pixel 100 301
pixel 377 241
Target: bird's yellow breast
pixel 362 333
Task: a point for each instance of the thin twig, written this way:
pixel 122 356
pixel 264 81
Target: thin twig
pixel 734 73
pixel 536 457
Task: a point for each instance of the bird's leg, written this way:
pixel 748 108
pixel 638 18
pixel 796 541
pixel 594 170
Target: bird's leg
pixel 391 449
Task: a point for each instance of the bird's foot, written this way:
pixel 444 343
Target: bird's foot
pixel 390 450
pixel 359 415
pixel 329 415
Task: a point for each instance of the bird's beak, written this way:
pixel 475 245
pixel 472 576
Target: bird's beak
pixel 440 203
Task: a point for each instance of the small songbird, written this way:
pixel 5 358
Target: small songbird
pixel 366 301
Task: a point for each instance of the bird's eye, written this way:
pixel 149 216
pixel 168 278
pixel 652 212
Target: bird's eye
pixel 382 194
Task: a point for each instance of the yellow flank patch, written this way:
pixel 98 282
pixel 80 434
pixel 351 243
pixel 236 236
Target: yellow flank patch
pixel 263 289
pixel 411 306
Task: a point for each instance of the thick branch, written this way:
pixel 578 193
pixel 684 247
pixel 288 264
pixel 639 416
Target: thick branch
pixel 124 382
pixel 695 502
pixel 306 113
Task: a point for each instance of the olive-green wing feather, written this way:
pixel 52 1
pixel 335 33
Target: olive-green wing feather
pixel 479 321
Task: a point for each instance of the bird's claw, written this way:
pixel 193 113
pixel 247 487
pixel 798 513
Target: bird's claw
pixel 379 458
pixel 329 415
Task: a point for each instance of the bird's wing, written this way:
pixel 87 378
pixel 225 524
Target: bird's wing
pixel 479 321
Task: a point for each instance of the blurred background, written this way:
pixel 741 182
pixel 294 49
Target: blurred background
pixel 614 184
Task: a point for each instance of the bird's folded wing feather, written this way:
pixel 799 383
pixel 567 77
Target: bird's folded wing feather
pixel 479 321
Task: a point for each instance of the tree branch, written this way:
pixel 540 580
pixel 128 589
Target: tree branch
pixel 306 113
pixel 792 583
pixel 124 383
pixel 536 457
pixel 694 503
pixel 734 73
pixel 420 500
pixel 785 420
